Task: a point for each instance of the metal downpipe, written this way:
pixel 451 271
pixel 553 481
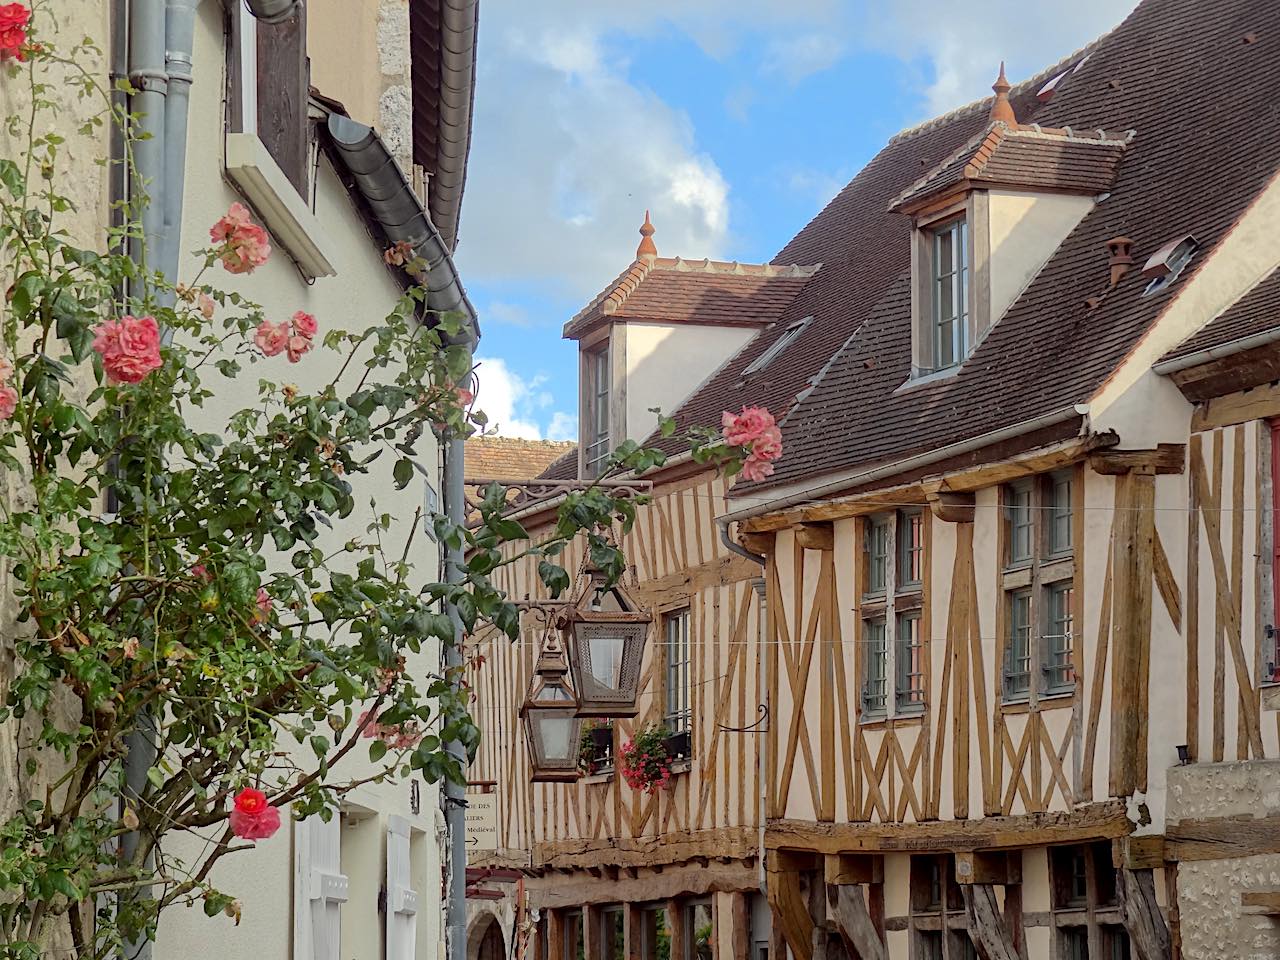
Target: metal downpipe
pixel 180 27
pixel 454 795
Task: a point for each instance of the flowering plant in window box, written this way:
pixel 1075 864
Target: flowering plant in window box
pixel 644 761
pixel 596 747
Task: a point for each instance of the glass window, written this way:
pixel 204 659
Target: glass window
pixel 877 549
pixel 1075 943
pixel 875 684
pixel 1115 943
pixel 910 548
pixel 597 420
pixel 1059 671
pixel 1058 528
pixel 950 294
pixel 655 938
pixel 611 934
pixel 778 346
pixel 699 932
pixel 1018 510
pixel 574 942
pixel 677 717
pixel 910 661
pixel 1017 657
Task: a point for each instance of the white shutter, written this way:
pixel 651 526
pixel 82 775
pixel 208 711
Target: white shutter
pixel 402 899
pixel 319 889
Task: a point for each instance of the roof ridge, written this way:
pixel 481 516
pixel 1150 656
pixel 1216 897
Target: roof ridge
pixel 1034 131
pixel 1041 78
pixel 707 265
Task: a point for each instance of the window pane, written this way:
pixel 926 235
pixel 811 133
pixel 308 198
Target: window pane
pixel 1059 526
pixel 950 291
pixel 1021 523
pixel 1017 660
pixel 1075 943
pixel 910 548
pixel 875 683
pixel 597 451
pixel 877 550
pixel 910 654
pixel 611 935
pixel 1059 638
pixel 676 717
pixel 700 932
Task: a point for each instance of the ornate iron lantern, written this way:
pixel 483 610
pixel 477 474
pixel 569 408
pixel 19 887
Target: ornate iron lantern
pixel 550 713
pixel 609 632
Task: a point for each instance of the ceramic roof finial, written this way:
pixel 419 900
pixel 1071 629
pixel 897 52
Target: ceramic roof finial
pixel 647 248
pixel 1002 109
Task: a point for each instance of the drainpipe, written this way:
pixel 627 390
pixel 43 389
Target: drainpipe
pixel 147 76
pixel 454 799
pixel 180 27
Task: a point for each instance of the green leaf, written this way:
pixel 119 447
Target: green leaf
pixel 402 472
pixel 377 750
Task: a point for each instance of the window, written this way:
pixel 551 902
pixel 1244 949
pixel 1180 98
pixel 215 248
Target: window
pixel 1039 587
pixel 611 934
pixel 271 81
pixel 910 656
pixel 938 921
pixel 655 937
pixel 929 945
pixel 893 649
pixel 596 421
pixel 676 717
pixel 1075 943
pixel 1084 906
pixel 699 932
pixel 574 941
pixel 950 294
pixel 776 349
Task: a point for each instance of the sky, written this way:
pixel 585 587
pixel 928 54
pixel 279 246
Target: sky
pixel 732 121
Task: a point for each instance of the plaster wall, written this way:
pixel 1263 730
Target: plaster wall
pixel 1212 920
pixel 360 294
pixel 1025 230
pixel 666 363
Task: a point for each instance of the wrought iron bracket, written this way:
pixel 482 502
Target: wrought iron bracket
pixel 763 710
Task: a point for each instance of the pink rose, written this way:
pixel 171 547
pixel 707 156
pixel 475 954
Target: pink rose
pixel 205 303
pixel 264 604
pixel 305 324
pixel 130 348
pixel 6 369
pixel 755 469
pixel 252 818
pixel 14 18
pixel 243 245
pixel 271 338
pixel 742 429
pixel 768 446
pixel 8 402
pixel 201 572
pixel 296 347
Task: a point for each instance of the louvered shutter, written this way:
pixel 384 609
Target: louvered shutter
pixel 402 899
pixel 319 889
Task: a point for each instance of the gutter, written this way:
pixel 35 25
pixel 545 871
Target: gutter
pixel 857 479
pixel 459 25
pixel 1264 339
pixel 400 214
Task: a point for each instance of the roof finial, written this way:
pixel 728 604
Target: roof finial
pixel 1002 109
pixel 647 248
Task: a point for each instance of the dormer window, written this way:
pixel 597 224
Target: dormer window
pixel 596 420
pixel 777 347
pixel 950 293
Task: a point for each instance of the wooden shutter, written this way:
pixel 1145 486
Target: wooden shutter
pixel 284 83
pixel 402 899
pixel 319 889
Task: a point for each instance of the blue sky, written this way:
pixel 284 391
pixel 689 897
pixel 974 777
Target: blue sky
pixel 734 121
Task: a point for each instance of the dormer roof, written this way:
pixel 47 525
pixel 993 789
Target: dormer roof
pixel 1023 157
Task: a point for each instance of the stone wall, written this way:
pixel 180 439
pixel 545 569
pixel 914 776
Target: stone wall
pixel 1212 920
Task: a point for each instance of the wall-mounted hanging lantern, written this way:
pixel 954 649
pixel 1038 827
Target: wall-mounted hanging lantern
pixel 609 631
pixel 550 715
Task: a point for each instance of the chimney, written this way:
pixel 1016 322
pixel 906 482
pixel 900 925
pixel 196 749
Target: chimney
pixel 1002 109
pixel 1121 251
pixel 648 250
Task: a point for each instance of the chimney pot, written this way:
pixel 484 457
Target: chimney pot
pixel 1121 258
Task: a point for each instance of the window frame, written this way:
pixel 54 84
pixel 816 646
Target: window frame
pixel 959 278
pixel 597 427
pixel 675 673
pixel 777 348
pixel 1098 913
pixel 890 543
pixel 936 910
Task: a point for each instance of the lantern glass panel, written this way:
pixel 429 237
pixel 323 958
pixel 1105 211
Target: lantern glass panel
pixel 556 733
pixel 606 660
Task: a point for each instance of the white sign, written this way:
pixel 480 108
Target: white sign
pixel 482 821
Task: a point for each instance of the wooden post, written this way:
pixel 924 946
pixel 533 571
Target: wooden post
pixel 739 944
pixel 1142 917
pixel 848 909
pixel 790 912
pixel 632 931
pixel 987 929
pixel 555 935
pixel 592 933
pixel 675 926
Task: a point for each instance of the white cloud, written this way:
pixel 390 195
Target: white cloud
pixel 563 426
pixel 963 53
pixel 513 404
pixel 794 58
pixel 511 314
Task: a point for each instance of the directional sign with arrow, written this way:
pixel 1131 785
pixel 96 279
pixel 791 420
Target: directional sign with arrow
pixel 482 821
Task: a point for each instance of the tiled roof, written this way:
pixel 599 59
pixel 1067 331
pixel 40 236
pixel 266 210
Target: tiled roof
pixel 1256 312
pixel 1205 150
pixel 509 458
pixel 672 290
pixel 1027 157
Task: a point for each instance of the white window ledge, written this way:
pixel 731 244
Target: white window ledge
pixel 252 168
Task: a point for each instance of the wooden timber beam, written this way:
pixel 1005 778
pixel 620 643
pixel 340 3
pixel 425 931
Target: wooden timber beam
pixel 1256 404
pixel 760 544
pixel 672 847
pixel 852 868
pixel 846 906
pixel 1165 458
pixel 951 506
pixel 790 909
pixel 816 536
pixel 1148 931
pixel 1096 821
pixel 1138 853
pixel 990 935
pixel 1261 902
pixel 1222 838
pixel 974 866
pixel 632 936
pixel 683 880
pixel 740 913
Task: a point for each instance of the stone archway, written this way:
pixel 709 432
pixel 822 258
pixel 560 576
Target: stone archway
pixel 485 940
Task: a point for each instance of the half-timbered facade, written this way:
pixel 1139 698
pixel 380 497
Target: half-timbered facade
pixel 986 668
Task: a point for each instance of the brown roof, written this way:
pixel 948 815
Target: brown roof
pixel 1026 156
pixel 1258 311
pixel 1203 152
pixel 509 458
pixel 673 290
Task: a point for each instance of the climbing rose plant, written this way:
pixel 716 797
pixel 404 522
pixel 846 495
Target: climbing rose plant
pixel 181 587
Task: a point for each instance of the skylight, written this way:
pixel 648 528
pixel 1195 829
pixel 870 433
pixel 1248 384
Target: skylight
pixel 1167 264
pixel 776 349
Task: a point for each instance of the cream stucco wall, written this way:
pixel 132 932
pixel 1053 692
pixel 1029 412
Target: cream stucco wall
pixel 1025 230
pixel 361 294
pixel 666 363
